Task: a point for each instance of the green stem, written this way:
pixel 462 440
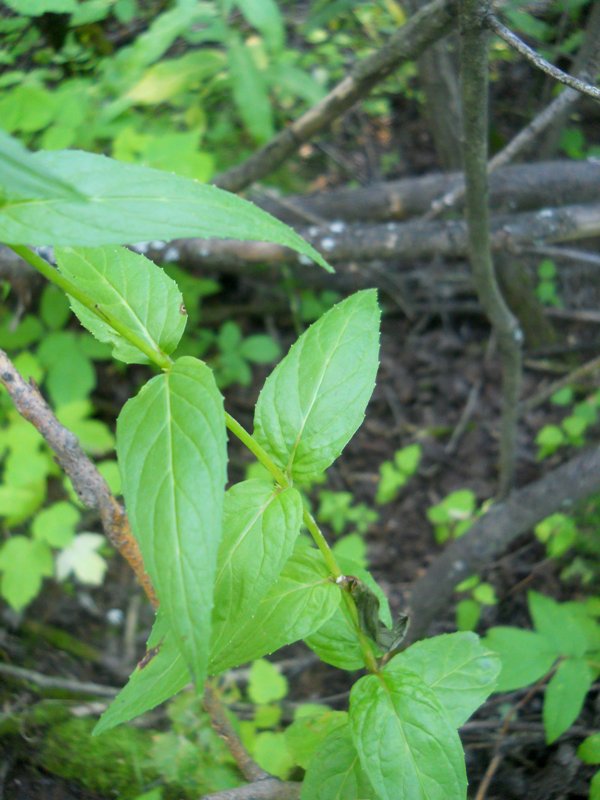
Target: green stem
pixel 282 479
pixel 54 276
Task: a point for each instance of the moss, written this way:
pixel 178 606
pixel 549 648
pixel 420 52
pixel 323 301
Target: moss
pixel 114 764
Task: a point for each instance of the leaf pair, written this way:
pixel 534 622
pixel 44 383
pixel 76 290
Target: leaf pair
pixel 401 740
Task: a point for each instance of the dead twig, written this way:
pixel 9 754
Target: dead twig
pixel 511 39
pixel 573 377
pixel 53 682
pixel 421 30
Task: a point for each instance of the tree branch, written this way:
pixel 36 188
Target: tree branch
pixel 474 75
pixel 268 789
pixel 492 534
pixel 90 486
pixel 494 24
pixel 425 27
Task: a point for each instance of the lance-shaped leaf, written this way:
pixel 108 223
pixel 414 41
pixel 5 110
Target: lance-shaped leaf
pixel 20 176
pixel 136 292
pixel 335 773
pixel 457 667
pixel 302 599
pixel 260 526
pixel 125 203
pixel 160 674
pixel 315 399
pixel 406 744
pixel 171 445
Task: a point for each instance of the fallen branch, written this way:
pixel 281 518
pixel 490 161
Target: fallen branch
pixel 492 534
pixel 421 30
pixel 52 682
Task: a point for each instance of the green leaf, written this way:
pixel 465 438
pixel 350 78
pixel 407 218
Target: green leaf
pixel 565 695
pixel 69 373
pixel 160 674
pixel 131 288
pixel 595 787
pixel 335 772
pixel 266 683
pixel 21 177
pixel 589 750
pixel 336 643
pixel 457 667
pixel 468 613
pixel 56 524
pixel 307 733
pixel 315 399
pixel 265 16
pixel 29 9
pixel 407 460
pixel 249 90
pixel 171 445
pixel 525 656
pixel 260 527
pixel 23 563
pixel 127 203
pixel 559 625
pixel 260 349
pixel 54 308
pixel 406 743
pixel 302 599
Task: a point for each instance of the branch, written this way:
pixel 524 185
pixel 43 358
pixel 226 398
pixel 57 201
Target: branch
pixel 64 684
pixel 348 246
pixel 474 74
pixel 268 789
pixel 421 30
pixel 494 24
pixel 492 534
pixel 513 188
pixel 589 56
pixel 90 486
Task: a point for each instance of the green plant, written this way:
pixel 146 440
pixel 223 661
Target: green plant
pixel 394 474
pixel 235 575
pixel 547 291
pixel 573 428
pixel 562 652
pixel 453 516
pixel 468 609
pixel 337 509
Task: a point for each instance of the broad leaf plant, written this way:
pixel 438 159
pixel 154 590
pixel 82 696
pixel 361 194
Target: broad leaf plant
pixel 242 571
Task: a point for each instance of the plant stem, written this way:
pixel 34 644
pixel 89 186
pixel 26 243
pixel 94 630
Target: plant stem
pixel 54 276
pixel 314 530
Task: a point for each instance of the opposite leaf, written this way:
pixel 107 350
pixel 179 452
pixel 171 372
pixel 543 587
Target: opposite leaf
pixel 260 527
pixel 335 772
pixel 125 203
pixel 565 696
pixel 407 746
pixel 525 656
pixel 302 599
pixel 315 399
pixel 171 445
pixel 136 292
pixel 457 667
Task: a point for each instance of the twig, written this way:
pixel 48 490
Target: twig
pixel 51 682
pixel 268 789
pixel 425 27
pixel 589 54
pixel 572 377
pixel 474 71
pixel 494 24
pixel 90 486
pixel 492 534
pixel 221 724
pixel 497 758
pixel 566 253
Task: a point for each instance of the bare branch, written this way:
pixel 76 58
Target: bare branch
pixel 425 27
pixel 90 486
pixel 494 532
pixel 268 789
pixel 494 24
pixel 51 682
pixel 474 76
pixel 221 724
